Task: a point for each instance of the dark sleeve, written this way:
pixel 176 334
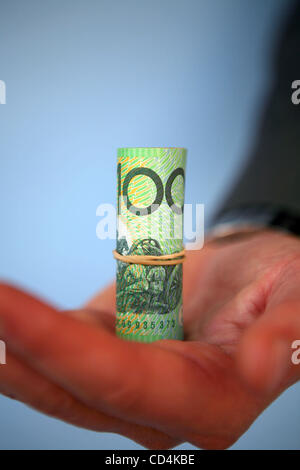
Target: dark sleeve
pixel 272 174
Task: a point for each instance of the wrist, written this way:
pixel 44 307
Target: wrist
pixel 252 219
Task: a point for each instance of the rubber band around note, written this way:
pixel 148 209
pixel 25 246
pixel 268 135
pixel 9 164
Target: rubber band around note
pixel 148 260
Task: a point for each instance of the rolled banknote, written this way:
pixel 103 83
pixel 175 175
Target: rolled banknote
pixel 150 224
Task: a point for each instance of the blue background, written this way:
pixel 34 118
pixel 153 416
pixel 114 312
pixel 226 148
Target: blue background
pixel 84 77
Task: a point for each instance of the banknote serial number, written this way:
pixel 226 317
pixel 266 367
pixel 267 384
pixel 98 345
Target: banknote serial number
pixel 152 325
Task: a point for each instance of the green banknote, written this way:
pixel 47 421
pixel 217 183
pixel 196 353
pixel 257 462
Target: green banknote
pixel 150 223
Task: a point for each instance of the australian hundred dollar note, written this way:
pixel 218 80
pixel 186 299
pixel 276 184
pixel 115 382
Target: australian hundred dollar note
pixel 150 223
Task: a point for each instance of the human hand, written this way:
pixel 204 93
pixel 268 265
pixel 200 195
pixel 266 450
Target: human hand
pixel 241 315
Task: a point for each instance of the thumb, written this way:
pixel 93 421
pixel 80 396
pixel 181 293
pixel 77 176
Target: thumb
pixel 269 355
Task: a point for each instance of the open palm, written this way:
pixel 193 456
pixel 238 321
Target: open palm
pixel 241 315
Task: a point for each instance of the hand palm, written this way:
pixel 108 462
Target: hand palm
pixel 169 391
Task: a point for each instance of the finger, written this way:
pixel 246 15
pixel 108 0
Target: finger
pixel 63 349
pixel 266 354
pixel 94 317
pixel 20 382
pixel 145 384
pixel 104 300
